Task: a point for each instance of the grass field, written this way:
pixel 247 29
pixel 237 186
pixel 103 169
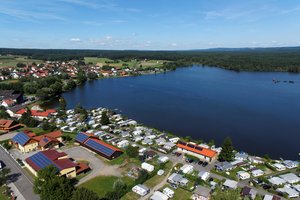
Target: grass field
pixel 2 196
pixel 155 180
pixel 103 184
pixel 130 64
pixel 13 60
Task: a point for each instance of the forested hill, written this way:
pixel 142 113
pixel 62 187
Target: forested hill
pixel 250 59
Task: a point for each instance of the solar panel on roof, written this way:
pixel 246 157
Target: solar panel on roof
pixel 198 148
pixel 99 147
pixel 80 137
pixel 40 160
pixel 21 138
pixel 45 140
pixel 183 143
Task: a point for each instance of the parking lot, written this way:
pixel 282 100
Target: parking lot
pixel 98 166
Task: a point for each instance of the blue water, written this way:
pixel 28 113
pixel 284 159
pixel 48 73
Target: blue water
pixel 208 103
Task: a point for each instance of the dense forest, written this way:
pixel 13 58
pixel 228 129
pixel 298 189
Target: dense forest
pixel 257 59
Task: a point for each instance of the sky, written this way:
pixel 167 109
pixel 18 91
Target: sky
pixel 149 25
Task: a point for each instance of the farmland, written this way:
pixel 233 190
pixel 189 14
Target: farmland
pixel 13 60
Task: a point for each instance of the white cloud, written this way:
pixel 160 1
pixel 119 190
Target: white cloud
pixel 108 37
pixel 75 40
pixel 174 44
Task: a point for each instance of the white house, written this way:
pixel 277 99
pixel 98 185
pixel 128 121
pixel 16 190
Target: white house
pixel 147 167
pixel 290 178
pixel 170 193
pixel 243 175
pixel 289 191
pixel 141 190
pixel 230 184
pixel 163 159
pixel 290 164
pixel 279 167
pixel 157 195
pixel 187 169
pixel 276 181
pixel 123 144
pixel 257 172
pixel 204 175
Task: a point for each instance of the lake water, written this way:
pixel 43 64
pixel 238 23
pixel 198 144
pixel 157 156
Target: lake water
pixel 207 103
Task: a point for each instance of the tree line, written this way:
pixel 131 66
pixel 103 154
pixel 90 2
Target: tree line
pixel 259 59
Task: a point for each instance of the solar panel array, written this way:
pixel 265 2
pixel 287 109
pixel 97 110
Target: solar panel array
pixel 21 138
pixel 80 137
pixel 99 147
pixel 40 160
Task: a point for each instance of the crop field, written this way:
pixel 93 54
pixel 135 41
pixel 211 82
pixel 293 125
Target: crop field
pixel 12 60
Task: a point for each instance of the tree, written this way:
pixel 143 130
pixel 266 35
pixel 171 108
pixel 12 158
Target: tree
pixel 84 194
pixel 28 120
pixel 21 65
pixel 104 118
pixel 132 152
pixel 47 126
pixel 92 75
pixel 81 77
pixel 4 176
pixel 62 104
pixel 227 153
pixel 50 186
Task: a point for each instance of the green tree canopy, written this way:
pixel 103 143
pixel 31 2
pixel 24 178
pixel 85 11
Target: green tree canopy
pixel 104 118
pixel 132 152
pixel 227 153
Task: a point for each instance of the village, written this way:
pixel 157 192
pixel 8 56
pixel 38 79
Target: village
pixel 99 147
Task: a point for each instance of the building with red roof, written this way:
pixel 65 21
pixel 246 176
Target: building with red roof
pixel 38 114
pixel 202 153
pixel 65 166
pixel 27 141
pixel 92 143
pixel 8 125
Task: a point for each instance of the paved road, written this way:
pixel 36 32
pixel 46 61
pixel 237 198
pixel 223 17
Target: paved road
pixel 19 177
pixel 7 136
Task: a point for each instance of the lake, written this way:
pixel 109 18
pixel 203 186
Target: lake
pixel 207 103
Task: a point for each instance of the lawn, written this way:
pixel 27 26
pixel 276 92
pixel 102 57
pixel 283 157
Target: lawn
pixel 103 184
pixel 131 196
pixel 2 196
pixel 157 179
pixel 13 60
pixel 37 131
pixel 180 194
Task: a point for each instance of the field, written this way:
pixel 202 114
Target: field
pixel 124 64
pixel 12 61
pixel 103 184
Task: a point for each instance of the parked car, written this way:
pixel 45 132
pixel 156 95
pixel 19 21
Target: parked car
pixel 204 164
pixel 200 162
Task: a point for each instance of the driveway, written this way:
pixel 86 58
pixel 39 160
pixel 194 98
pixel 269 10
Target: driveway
pixel 98 166
pixel 8 135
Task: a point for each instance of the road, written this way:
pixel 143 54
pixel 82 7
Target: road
pixel 19 177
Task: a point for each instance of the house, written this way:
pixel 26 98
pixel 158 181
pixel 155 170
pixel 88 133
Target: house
pixel 243 175
pixel 276 181
pixel 27 141
pixel 201 193
pixel 123 144
pixel 8 103
pixel 163 159
pixel 256 160
pixel 197 151
pixel 230 184
pixel 13 95
pixel 257 172
pixel 150 154
pixel 279 167
pixel 157 195
pixel 160 141
pixel 177 179
pixel 290 164
pixel 224 166
pixel 42 159
pixel 248 192
pixel 141 190
pixel 147 141
pixel 204 175
pixel 241 156
pixel 8 125
pixel 92 143
pixel 289 191
pixel 167 191
pixel 290 178
pixel 187 169
pixel 297 187
pixel 38 114
pixel 169 145
pixel 147 167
